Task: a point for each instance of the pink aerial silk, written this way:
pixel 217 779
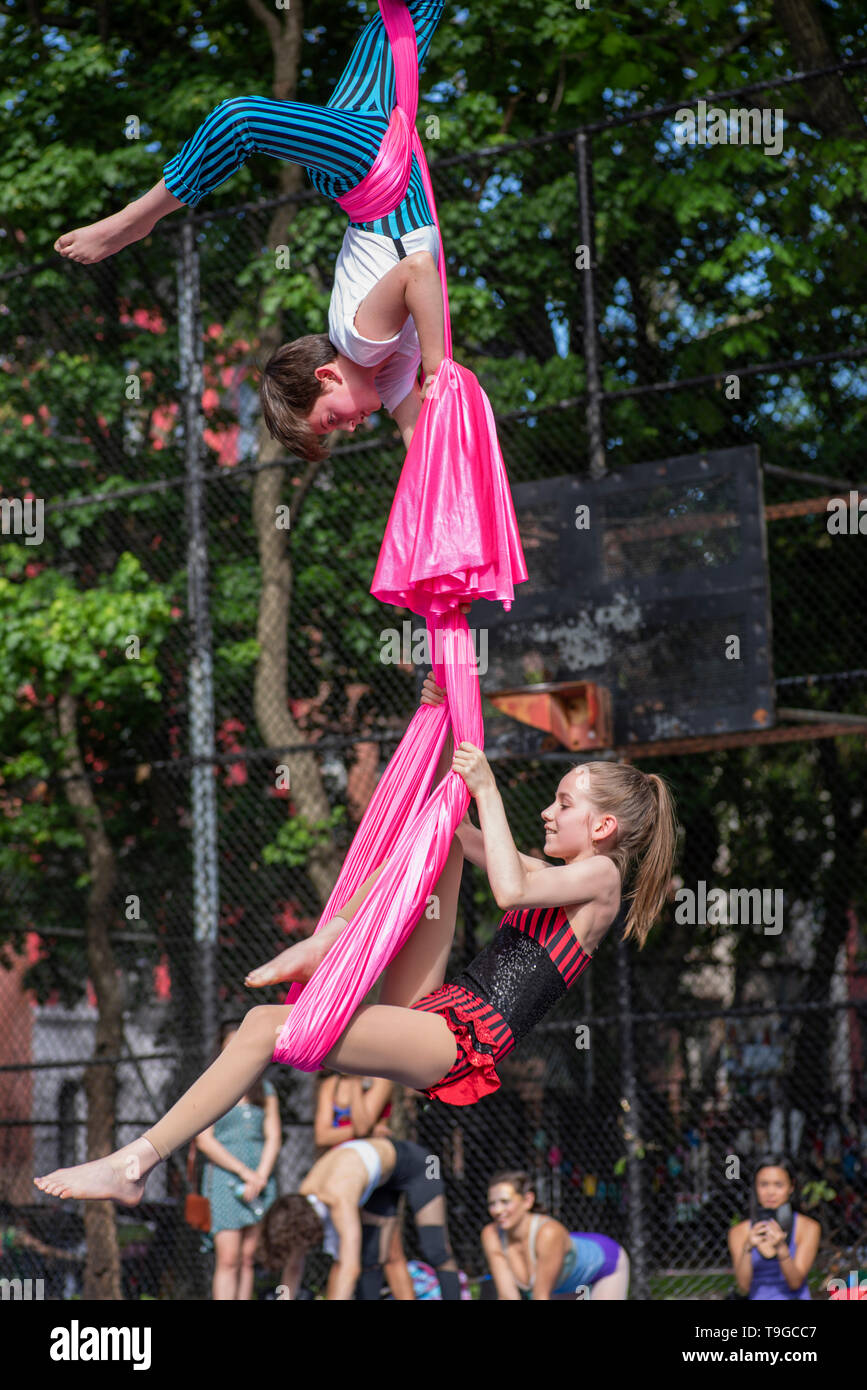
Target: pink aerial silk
pixel 384 186
pixel 451 537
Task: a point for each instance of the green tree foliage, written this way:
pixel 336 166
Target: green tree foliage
pixel 57 639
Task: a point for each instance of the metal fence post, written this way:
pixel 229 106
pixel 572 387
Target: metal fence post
pixel 631 1121
pixel 201 688
pixel 591 344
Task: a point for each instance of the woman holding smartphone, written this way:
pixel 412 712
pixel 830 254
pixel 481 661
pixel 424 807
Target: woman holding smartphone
pixel 773 1253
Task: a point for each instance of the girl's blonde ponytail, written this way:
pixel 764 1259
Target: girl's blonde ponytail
pixel 647 836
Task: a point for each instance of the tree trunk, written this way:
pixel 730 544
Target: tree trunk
pixel 102 1270
pixel 809 1081
pixel 830 104
pixel 276 725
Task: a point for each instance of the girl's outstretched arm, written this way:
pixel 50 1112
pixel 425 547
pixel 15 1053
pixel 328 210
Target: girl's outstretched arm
pixel 473 845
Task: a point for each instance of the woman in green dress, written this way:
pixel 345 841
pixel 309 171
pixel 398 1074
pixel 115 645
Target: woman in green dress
pixel 241 1150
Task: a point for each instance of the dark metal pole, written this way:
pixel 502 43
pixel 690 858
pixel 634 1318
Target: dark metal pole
pixel 595 433
pixel 201 689
pixel 631 1125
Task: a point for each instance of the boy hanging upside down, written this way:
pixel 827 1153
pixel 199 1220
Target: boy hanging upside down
pixel 386 311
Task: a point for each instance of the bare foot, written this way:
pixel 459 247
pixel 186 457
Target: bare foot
pixel 120 1177
pixel 87 245
pixel 295 963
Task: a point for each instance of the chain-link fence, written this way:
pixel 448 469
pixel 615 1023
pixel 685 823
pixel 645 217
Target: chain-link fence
pixel 199 699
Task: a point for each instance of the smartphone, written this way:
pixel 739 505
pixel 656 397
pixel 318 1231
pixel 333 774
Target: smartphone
pixel 783 1216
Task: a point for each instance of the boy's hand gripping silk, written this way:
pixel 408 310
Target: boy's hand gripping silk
pixel 451 537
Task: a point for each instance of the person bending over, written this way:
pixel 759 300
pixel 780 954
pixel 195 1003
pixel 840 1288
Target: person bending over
pixel 348 1204
pixel 355 1107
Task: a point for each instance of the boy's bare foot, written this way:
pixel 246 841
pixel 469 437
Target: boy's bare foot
pixel 93 243
pixel 120 1177
pixel 87 245
pixel 295 963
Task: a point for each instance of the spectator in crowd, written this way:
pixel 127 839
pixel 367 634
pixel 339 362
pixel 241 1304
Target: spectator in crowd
pixel 371 1174
pixel 241 1149
pixel 530 1255
pixel 355 1107
pixel 351 1107
pixel 774 1251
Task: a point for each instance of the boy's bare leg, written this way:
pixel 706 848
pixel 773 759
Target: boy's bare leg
pixel 420 965
pixel 121 1176
pixel 298 962
pixel 93 243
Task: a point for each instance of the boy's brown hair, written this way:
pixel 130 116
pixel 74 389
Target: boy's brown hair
pixel 289 390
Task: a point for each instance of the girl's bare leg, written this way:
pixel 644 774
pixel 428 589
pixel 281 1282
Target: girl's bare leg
pixel 614 1286
pixel 246 1274
pixel 227 1265
pixel 93 243
pixel 420 965
pixel 413 1048
pixel 121 1176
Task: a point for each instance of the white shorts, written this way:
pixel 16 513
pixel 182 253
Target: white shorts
pixel 370 1158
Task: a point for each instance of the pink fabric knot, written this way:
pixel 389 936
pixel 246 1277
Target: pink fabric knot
pixel 384 186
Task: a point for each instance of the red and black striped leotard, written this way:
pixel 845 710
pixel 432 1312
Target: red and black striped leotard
pixel 532 961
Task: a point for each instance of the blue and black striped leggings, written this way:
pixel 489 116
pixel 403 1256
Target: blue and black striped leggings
pixel 336 143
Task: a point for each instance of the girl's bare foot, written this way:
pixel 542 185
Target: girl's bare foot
pixel 120 1177
pixel 87 245
pixel 295 963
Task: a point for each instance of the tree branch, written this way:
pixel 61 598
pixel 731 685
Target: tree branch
pixel 561 86
pixel 268 18
pixel 56 21
pixel 285 40
pixel 742 40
